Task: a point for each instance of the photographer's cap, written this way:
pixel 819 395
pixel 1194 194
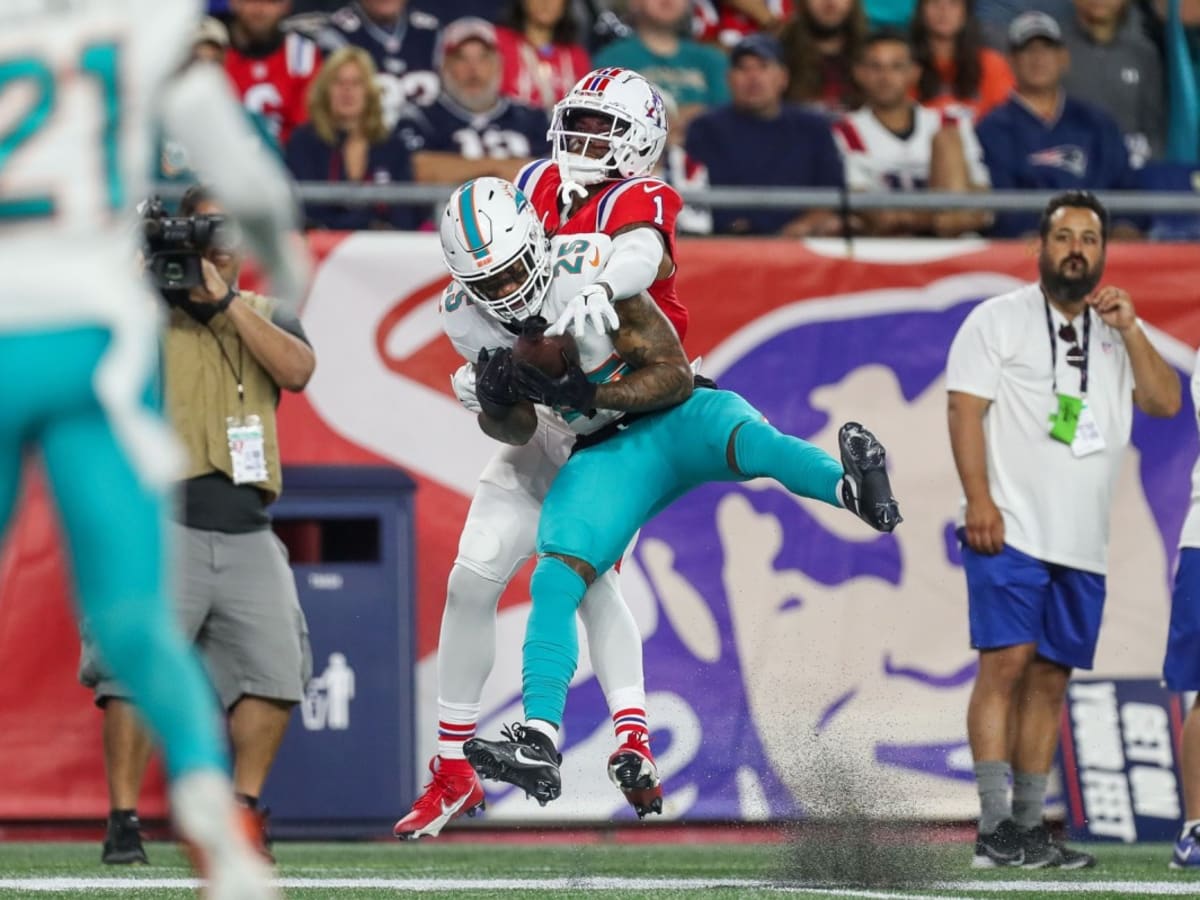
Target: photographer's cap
pixel 1030 25
pixel 212 31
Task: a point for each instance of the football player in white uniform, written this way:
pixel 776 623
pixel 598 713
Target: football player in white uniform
pixel 84 85
pixel 498 537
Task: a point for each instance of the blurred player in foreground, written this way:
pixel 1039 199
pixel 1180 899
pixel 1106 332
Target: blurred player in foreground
pixel 648 431
pixel 78 347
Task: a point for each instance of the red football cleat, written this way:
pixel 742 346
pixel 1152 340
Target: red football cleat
pixel 454 791
pixel 632 769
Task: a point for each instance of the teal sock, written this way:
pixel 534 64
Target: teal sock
pixel 551 641
pixel 803 468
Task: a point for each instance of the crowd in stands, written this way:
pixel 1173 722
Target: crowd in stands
pixel 872 95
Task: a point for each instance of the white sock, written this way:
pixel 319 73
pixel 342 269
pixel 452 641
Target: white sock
pixel 456 726
pixel 543 727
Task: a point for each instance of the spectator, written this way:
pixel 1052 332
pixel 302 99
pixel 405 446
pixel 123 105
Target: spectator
pixel 758 140
pixel 1115 67
pixel 821 42
pixel 725 22
pixel 895 144
pixel 348 141
pixel 209 46
pixel 226 356
pixel 957 71
pixel 1038 496
pixel 270 69
pixel 401 44
pixel 996 15
pixel 542 56
pixel 470 130
pixel 1042 139
pixel 694 74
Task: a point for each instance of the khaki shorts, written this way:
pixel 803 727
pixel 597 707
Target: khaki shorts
pixel 237 601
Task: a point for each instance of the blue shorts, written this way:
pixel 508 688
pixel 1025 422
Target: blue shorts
pixel 1181 668
pixel 1016 599
pixel 604 494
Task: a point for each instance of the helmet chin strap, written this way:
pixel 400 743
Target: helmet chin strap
pixel 568 190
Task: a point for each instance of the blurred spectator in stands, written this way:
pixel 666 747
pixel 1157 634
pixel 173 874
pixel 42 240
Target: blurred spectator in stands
pixel 680 171
pixel 821 42
pixel 957 71
pixel 1176 178
pixel 470 130
pixel 347 140
pixel 271 70
pixel 209 45
pixel 541 51
pixel 401 44
pixel 726 22
pixel 894 144
pixel 758 140
pixel 693 74
pixel 1116 67
pixel 449 10
pixel 996 15
pixel 1042 139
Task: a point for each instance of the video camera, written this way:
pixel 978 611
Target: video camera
pixel 174 245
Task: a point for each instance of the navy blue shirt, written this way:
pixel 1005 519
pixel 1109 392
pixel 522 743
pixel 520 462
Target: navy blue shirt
pixel 795 149
pixel 509 130
pixel 311 159
pixel 403 54
pixel 1081 149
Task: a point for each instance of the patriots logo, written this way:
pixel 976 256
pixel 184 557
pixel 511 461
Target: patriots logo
pixel 655 109
pixel 1068 157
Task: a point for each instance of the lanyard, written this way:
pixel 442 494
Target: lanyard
pixel 1083 372
pixel 241 366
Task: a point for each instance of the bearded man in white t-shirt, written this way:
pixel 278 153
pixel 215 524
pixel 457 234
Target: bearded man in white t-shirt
pixel 1042 384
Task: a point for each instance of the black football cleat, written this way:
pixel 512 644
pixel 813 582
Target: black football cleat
pixel 866 490
pixel 123 842
pixel 525 758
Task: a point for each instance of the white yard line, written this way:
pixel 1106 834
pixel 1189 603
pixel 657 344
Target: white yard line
pixel 1184 887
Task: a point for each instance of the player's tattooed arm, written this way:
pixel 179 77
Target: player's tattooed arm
pixel 661 376
pixel 517 427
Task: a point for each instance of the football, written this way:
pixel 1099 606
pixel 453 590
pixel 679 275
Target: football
pixel 549 355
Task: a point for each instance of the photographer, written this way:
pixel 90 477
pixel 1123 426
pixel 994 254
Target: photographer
pixel 226 356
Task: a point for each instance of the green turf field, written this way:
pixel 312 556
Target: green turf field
pixel 483 870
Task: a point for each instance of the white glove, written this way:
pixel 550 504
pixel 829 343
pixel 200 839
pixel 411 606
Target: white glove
pixel 463 382
pixel 591 306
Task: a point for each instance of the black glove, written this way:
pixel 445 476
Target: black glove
pixel 495 382
pixel 866 490
pixel 571 391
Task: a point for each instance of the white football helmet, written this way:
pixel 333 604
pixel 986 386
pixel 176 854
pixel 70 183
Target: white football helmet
pixel 633 141
pixel 495 247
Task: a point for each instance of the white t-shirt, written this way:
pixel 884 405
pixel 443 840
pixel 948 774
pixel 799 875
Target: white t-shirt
pixel 1055 505
pixel 877 159
pixel 1190 536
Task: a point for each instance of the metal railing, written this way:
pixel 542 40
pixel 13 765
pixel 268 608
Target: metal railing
pixel 1120 202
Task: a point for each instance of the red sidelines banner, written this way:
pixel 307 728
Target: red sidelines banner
pixel 764 619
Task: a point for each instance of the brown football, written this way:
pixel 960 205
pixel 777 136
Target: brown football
pixel 549 355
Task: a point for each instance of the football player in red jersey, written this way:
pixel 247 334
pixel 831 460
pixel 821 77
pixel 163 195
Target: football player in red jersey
pixel 271 69
pixel 606 137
